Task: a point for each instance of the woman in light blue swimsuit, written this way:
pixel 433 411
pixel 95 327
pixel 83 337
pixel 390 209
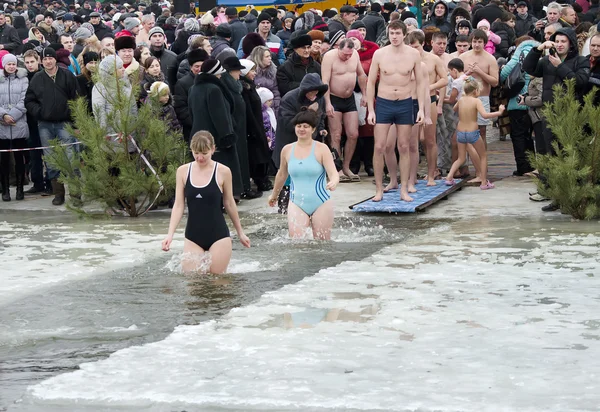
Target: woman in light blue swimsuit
pixel 309 163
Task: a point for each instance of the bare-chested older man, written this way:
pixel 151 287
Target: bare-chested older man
pixel 482 66
pixel 340 68
pixel 438 78
pixel 393 65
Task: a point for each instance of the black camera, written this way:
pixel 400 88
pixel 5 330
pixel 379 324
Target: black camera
pixel 553 51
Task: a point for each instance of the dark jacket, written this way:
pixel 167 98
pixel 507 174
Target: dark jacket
pixel 211 108
pixel 573 67
pixel 101 31
pixel 180 44
pixel 168 64
pixel 22 30
pixel 85 88
pixel 9 38
pixel 169 33
pixel 238 31
pixel 146 83
pixel 441 23
pixel 592 14
pixel 251 22
pixel 336 24
pixel 238 109
pixel 524 25
pixel 284 35
pixel 292 71
pixel 48 100
pixel 594 80
pixel 221 48
pixel 291 104
pixel 507 38
pixel 375 24
pixel 491 12
pixel 180 103
pixel 34 133
pixel 258 146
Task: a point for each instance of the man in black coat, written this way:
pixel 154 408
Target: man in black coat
pixel 47 99
pixel 374 23
pixel 524 21
pixel 491 12
pixel 167 59
pixel 238 28
pixel 439 17
pixel 342 21
pixel 9 37
pixel 298 65
pixel 182 88
pixel 100 29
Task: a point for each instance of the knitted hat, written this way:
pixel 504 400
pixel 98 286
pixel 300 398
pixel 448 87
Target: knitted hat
pixel 262 17
pixel 192 25
pixel 333 39
pixel 316 35
pixel 251 41
pixel 124 42
pixel 48 52
pixel 248 65
pixel 358 24
pixel 207 19
pixel 264 94
pixel 109 63
pixel 355 34
pixel 158 89
pixel 193 37
pixel 483 23
pixel 131 23
pixel 212 66
pixel 155 30
pixel 89 27
pixel 411 22
pixel 90 57
pixel 68 17
pixel 9 58
pixel 195 56
pixel 223 30
pixel 300 41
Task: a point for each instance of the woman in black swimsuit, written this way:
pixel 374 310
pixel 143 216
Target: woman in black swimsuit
pixel 205 184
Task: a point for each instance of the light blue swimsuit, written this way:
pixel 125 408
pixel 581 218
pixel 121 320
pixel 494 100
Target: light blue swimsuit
pixel 307 190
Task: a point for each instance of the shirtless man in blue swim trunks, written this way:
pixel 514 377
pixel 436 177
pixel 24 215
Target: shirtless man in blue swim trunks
pixel 393 65
pixel 309 164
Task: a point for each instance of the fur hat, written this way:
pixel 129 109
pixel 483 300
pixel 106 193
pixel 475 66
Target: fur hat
pixel 300 41
pixel 192 25
pixel 316 35
pixel 131 23
pixel 90 57
pixel 251 41
pixel 195 56
pixel 264 94
pixel 355 34
pixel 124 42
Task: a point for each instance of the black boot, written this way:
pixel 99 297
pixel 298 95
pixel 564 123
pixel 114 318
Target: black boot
pixel 20 183
pixel 5 188
pixel 59 193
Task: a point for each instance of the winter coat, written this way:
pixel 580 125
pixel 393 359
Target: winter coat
pixel 12 102
pixel 48 100
pixel 251 23
pixel 267 115
pixel 533 100
pixel 594 80
pixel 258 145
pixel 524 25
pixel 180 44
pixel 85 89
pixel 49 32
pixel 180 103
pixel 9 38
pixel 169 33
pixel 267 77
pixel 336 24
pixel 168 115
pixel 274 44
pixel 168 64
pixel 525 47
pixel 102 106
pixel 573 67
pixel 441 23
pixel 211 108
pixel 284 35
pixel 19 24
pixel 491 13
pixel 238 32
pixel 101 31
pixel 291 104
pixel 221 48
pixel 375 24
pixel 507 39
pixel 184 68
pixel 366 53
pixel 291 73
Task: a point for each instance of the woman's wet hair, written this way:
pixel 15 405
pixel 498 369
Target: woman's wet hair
pixel 306 116
pixel 202 142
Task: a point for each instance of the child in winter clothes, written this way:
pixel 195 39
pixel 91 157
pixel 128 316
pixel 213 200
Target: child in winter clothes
pixel 269 120
pixel 160 93
pixel 493 39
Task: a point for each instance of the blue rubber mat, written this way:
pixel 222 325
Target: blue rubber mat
pixel 424 197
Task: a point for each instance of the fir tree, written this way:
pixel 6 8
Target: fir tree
pixel 110 170
pixel 572 176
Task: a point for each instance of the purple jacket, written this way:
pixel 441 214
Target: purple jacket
pixel 267 78
pixel 268 128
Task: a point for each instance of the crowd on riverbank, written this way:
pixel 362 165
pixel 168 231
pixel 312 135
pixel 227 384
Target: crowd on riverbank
pixel 243 75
